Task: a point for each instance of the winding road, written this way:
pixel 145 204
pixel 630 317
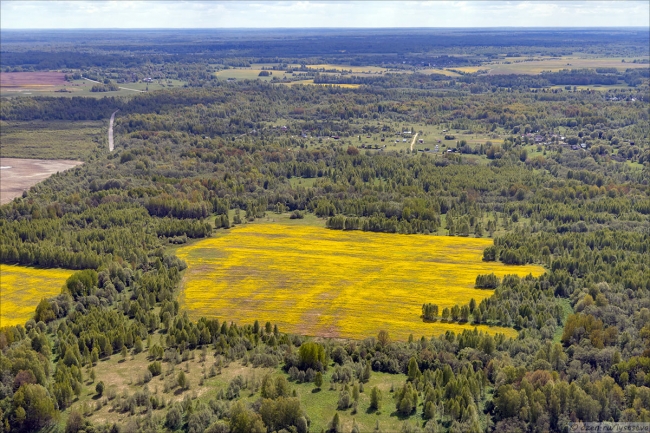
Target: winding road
pixel 110 131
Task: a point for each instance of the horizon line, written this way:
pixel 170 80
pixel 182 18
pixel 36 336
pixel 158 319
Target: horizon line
pixel 322 28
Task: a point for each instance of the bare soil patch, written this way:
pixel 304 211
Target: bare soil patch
pixel 26 79
pixel 18 175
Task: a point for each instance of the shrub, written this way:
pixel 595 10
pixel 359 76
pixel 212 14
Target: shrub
pixel 155 368
pixel 312 355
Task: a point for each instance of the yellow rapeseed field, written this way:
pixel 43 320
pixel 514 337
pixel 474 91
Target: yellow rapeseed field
pixel 315 281
pixel 22 288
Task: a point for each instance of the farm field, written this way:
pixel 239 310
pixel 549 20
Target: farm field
pixel 18 175
pixel 353 69
pixel 31 79
pixel 446 72
pixel 336 284
pixel 311 83
pixel 52 139
pixel 246 74
pixel 554 64
pixel 54 84
pixel 22 288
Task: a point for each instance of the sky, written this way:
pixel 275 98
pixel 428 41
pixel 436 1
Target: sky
pixel 76 14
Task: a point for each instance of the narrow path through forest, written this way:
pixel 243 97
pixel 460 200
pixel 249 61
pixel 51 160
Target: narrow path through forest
pixel 110 131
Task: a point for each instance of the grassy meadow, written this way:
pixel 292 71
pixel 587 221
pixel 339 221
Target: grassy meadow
pixel 330 283
pixel 22 288
pixel 83 88
pixel 538 64
pixel 311 83
pixel 246 74
pixel 52 139
pixel 126 376
pixel 348 68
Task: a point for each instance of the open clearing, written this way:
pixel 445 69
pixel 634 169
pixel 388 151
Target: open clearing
pixel 332 283
pixel 311 83
pixel 54 84
pixel 536 65
pixel 120 377
pixel 52 139
pixel 18 175
pixel 22 288
pixel 347 68
pixel 31 79
pixel 246 74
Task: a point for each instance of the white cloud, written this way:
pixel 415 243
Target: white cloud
pixel 318 13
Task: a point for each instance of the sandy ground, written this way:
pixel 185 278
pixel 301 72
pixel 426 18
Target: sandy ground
pixel 18 175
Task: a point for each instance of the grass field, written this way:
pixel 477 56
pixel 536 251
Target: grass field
pixel 246 74
pixel 535 65
pixel 126 377
pixel 311 83
pixel 253 74
pixel 320 282
pixel 347 68
pixel 22 288
pixel 82 88
pixel 52 140
pixel 438 71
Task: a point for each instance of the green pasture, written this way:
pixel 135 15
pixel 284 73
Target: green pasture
pixel 53 139
pixel 521 65
pixel 83 88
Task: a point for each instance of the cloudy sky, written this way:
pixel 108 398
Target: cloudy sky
pixel 260 14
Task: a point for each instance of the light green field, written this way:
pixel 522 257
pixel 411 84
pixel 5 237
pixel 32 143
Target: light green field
pixel 82 88
pixel 446 72
pixel 247 74
pixel 429 134
pixel 347 68
pixel 126 377
pixel 596 87
pixel 541 64
pixel 52 139
pixel 311 83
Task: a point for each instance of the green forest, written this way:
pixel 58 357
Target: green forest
pixel 555 176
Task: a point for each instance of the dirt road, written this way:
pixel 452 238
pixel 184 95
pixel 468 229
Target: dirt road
pixel 123 88
pixel 110 131
pixel 415 137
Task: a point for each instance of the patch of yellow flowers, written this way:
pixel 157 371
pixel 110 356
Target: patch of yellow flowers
pixel 22 288
pixel 334 283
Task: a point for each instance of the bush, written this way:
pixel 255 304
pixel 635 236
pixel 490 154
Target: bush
pixel 312 355
pixel 296 214
pixel 155 368
pixel 490 281
pixel 344 400
pixel 174 418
